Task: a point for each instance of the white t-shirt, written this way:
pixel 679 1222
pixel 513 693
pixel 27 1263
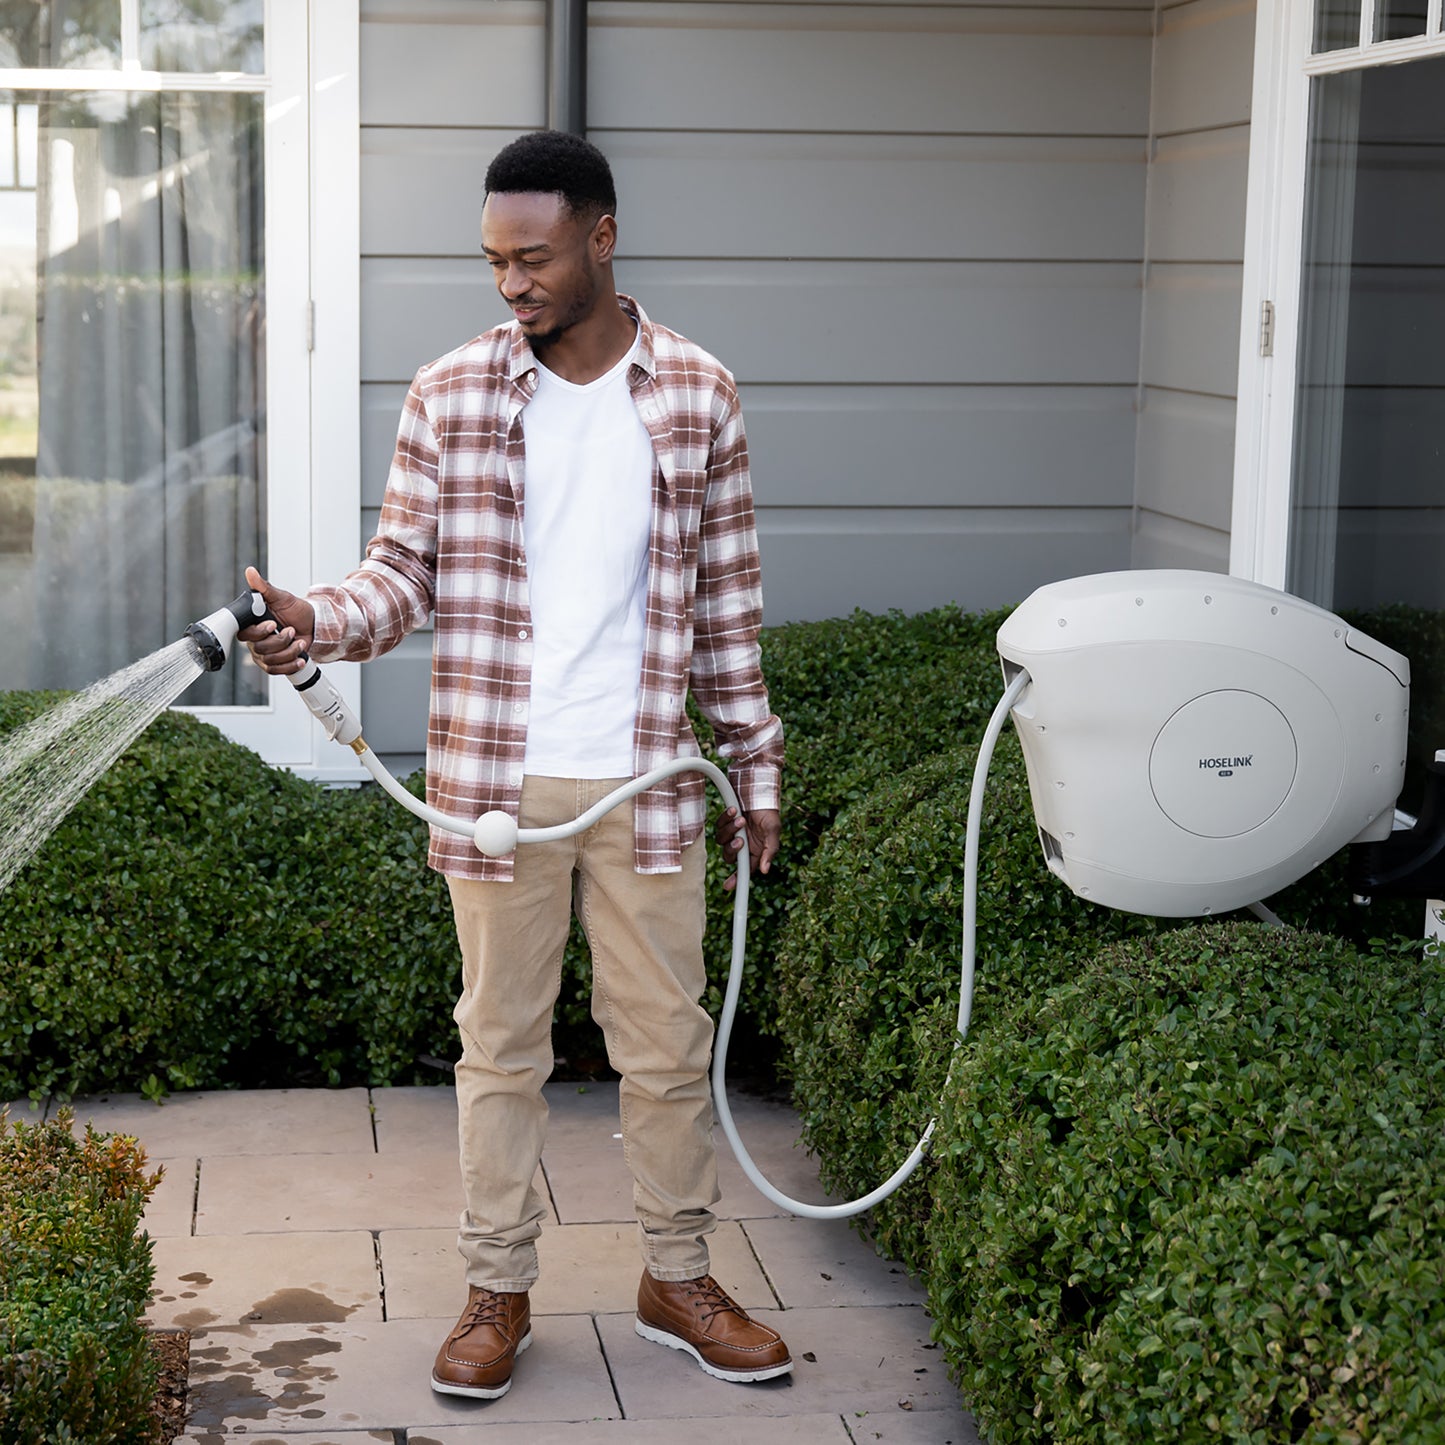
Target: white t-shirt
pixel 587 519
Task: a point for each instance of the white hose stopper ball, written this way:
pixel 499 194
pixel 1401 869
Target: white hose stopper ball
pixel 495 833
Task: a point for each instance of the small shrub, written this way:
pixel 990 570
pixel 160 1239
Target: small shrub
pixel 75 1278
pixel 868 966
pixel 202 919
pixel 861 698
pixel 1195 1193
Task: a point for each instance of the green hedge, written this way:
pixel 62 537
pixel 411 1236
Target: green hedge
pixel 868 966
pixel 1196 1193
pixel 75 1279
pixel 201 919
pixel 861 698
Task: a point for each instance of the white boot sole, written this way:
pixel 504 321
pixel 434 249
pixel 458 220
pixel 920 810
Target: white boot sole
pixel 739 1377
pixel 480 1392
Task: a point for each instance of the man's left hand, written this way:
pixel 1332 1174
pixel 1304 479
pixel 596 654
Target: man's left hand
pixel 764 831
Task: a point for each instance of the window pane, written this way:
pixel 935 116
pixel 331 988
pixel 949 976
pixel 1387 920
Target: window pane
pixel 132 382
pixel 203 35
pixel 1399 19
pixel 61 34
pixel 1368 490
pixel 1337 25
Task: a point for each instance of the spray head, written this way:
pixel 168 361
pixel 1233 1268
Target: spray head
pixel 214 635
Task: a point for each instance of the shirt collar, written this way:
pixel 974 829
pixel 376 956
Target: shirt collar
pixel 521 361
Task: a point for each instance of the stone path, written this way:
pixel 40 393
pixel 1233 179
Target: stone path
pixel 307 1238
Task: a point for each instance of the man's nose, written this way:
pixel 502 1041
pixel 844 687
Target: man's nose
pixel 515 282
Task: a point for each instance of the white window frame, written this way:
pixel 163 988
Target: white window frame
pixel 1274 232
pixel 313 369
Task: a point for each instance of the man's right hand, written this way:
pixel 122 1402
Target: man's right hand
pixel 279 646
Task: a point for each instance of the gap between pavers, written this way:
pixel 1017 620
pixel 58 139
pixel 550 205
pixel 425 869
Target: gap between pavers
pixel 815 1263
pixel 585 1269
pixel 795 1430
pixel 875 1358
pixel 209 1123
pixel 329 1437
pixel 300 1192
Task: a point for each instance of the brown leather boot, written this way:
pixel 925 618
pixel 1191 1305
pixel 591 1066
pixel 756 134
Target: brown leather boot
pixel 476 1358
pixel 697 1316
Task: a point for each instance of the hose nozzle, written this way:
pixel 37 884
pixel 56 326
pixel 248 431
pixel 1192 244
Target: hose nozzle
pixel 214 635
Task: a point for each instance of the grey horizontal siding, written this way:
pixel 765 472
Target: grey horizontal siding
pixel 965 323
pixel 1189 346
pixel 427 62
pixel 1186 445
pixel 925 446
pixel 887 199
pixel 1173 542
pixel 1196 196
pixel 915 233
pixel 825 562
pixel 867 69
pixel 1191 328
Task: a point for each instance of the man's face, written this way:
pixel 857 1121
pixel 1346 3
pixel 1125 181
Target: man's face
pixel 548 263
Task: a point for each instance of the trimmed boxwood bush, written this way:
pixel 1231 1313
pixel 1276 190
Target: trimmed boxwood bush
pixel 1196 1193
pixel 201 919
pixel 861 698
pixel 868 966
pixel 75 1279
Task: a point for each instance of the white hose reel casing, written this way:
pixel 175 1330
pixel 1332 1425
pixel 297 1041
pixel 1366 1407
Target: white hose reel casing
pixel 1196 742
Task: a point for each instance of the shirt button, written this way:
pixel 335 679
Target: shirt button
pixel 516 777
pixel 522 634
pixel 519 707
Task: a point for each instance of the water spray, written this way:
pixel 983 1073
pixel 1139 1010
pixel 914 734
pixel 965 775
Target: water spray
pixel 1194 742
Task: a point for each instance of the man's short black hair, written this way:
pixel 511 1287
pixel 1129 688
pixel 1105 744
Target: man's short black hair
pixel 556 161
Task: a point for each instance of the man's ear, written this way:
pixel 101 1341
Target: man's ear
pixel 603 239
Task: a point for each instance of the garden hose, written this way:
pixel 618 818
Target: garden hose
pixel 496 833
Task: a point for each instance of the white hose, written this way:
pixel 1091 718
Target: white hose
pixel 468 829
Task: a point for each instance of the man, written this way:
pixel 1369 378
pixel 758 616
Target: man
pixel 570 501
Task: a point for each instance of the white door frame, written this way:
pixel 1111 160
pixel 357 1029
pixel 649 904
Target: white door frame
pixel 313 355
pixel 1264 430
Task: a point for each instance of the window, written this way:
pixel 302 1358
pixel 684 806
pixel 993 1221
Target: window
pixel 1339 494
pixel 159 232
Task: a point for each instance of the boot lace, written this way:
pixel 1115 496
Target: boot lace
pixel 712 1300
pixel 487 1307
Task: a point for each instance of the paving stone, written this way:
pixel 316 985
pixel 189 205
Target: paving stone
pixel 372 1376
pixel 585 1269
pixel 330 1437
pixel 249 1121
pixel 812 1263
pixel 415 1119
pixel 301 1192
pixel 794 1430
pixel 845 1360
pixel 590 1182
pixel 912 1427
pixel 265 1279
pixel 26 1111
pixel 170 1209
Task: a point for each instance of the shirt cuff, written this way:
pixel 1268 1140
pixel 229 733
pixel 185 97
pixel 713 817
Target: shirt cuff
pixel 329 632
pixel 759 786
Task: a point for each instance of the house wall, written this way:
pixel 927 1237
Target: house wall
pixel 914 233
pixel 1194 251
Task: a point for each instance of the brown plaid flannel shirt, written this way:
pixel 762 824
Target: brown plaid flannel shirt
pixel 449 543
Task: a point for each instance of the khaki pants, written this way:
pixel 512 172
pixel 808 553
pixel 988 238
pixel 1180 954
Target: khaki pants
pixel 645 933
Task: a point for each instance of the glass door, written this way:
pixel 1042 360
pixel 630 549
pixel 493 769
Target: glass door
pixel 1340 439
pixel 1368 483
